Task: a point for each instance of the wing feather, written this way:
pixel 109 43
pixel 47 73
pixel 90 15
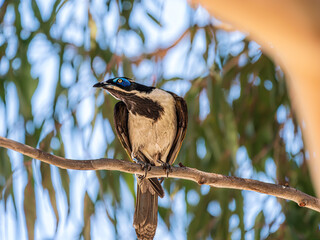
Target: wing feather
pixel 120 118
pixel 182 123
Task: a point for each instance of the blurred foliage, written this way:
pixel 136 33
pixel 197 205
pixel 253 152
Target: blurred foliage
pixel 240 119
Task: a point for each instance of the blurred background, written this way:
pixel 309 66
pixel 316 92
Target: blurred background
pixel 241 122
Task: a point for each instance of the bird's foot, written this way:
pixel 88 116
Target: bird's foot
pixel 166 166
pixel 144 166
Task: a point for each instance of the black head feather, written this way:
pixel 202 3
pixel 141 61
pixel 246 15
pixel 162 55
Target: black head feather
pixel 128 91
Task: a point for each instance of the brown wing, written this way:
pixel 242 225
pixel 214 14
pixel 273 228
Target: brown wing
pixel 182 122
pixel 120 118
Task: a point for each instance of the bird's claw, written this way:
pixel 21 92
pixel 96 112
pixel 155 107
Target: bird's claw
pixel 144 166
pixel 166 166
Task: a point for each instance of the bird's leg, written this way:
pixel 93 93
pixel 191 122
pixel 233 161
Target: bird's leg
pixel 144 165
pixel 166 166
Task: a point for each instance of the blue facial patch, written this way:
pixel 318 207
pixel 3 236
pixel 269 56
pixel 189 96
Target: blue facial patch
pixel 122 82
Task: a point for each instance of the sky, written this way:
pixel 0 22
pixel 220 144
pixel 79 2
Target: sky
pixel 175 17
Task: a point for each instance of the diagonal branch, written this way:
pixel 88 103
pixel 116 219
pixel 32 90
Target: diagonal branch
pixel 211 179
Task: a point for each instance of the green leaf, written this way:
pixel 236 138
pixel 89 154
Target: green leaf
pixel 259 223
pixel 65 181
pixel 36 10
pixel 47 184
pixel 88 210
pixel 30 205
pixel 153 18
pixel 56 9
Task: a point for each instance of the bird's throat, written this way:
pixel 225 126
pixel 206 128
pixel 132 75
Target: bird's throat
pixel 144 106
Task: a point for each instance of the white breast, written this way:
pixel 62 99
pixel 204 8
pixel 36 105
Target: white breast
pixel 154 138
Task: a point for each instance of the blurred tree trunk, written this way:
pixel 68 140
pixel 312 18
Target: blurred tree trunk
pixel 289 31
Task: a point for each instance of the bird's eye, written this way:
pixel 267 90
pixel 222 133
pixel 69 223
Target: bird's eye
pixel 119 80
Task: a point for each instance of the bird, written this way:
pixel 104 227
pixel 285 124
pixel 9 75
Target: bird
pixel 151 125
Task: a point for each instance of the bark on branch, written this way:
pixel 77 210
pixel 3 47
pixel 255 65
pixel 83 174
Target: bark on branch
pixel 211 179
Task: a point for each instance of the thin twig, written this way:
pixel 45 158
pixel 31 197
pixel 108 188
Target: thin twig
pixel 211 179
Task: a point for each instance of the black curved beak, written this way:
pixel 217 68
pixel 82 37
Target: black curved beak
pixel 99 84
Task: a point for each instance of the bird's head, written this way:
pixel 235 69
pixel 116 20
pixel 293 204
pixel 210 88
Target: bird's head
pixel 122 87
pixel 137 97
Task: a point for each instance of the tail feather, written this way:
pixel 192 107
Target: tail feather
pixel 146 212
pixel 157 186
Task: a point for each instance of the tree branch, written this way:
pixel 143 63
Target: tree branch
pixel 211 179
